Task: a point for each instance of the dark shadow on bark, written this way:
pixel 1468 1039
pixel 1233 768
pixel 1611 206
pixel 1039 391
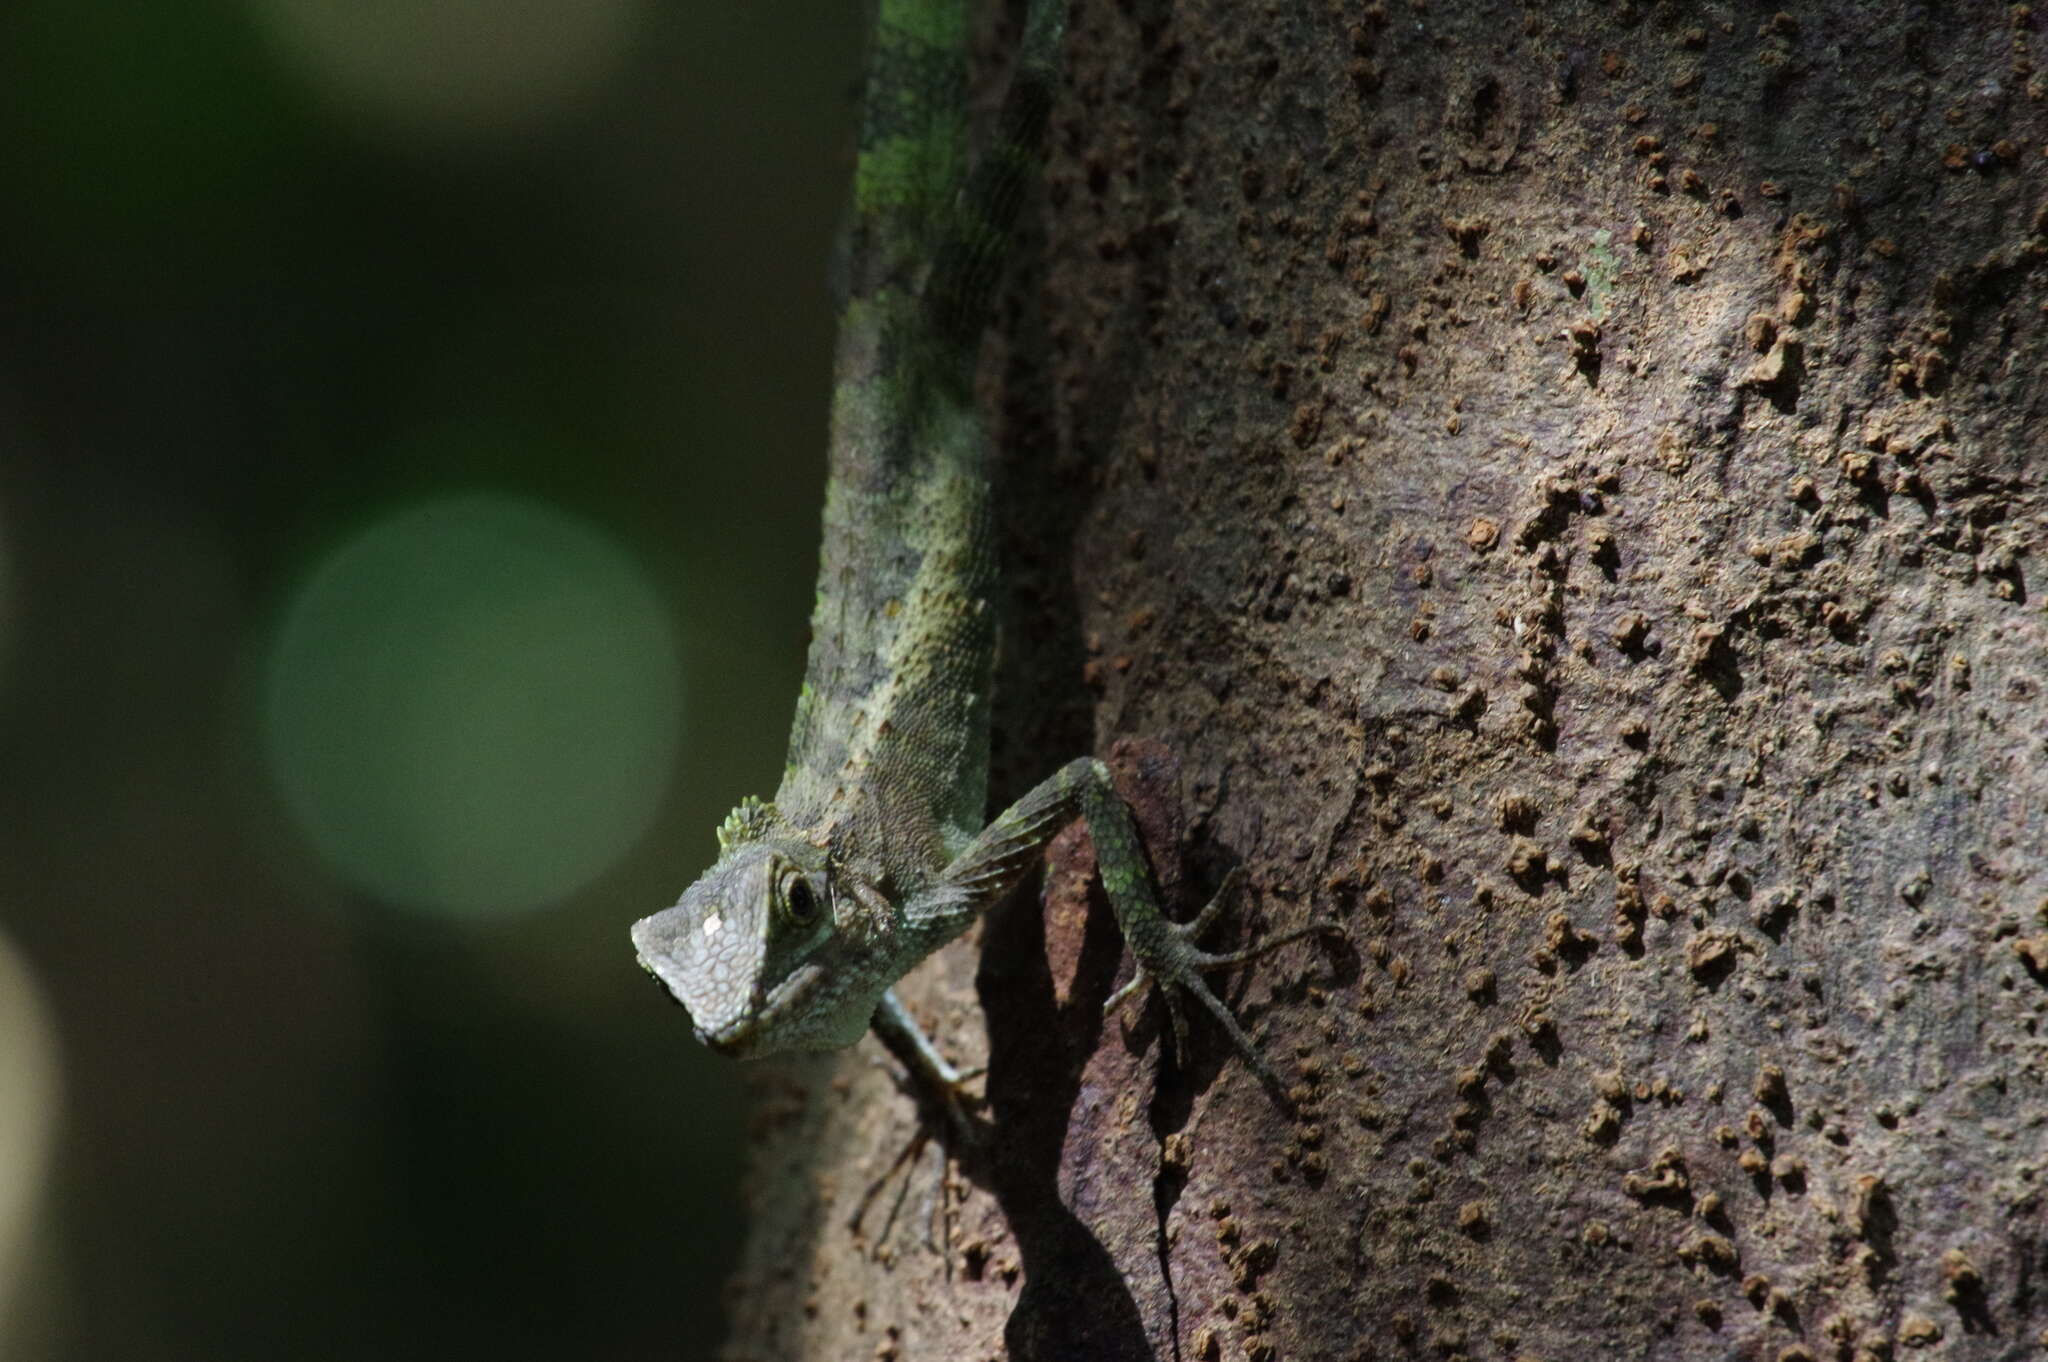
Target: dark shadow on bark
pixel 1075 1302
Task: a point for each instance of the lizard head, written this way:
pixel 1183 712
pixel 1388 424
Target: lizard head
pixel 747 949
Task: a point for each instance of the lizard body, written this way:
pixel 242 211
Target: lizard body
pixel 876 850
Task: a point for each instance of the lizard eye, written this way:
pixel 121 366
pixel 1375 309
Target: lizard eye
pixel 799 901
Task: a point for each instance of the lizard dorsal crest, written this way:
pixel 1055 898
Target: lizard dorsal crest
pixel 745 823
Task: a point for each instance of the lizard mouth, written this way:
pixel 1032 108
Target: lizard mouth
pixel 733 1040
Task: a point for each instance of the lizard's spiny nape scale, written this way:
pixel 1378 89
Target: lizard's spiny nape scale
pixel 874 852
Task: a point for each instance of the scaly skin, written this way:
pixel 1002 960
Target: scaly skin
pixel 875 851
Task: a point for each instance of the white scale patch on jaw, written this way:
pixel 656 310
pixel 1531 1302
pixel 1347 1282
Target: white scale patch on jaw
pixel 713 925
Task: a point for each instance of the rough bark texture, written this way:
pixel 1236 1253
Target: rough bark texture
pixel 1553 487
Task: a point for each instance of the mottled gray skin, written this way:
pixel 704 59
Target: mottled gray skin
pixel 876 850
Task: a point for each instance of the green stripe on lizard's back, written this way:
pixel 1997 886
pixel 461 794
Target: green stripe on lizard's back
pixel 891 730
pixel 913 144
pixel 929 226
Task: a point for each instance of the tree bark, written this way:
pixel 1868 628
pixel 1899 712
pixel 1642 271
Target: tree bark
pixel 1552 488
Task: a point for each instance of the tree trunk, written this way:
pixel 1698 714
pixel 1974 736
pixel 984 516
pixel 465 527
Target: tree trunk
pixel 1550 487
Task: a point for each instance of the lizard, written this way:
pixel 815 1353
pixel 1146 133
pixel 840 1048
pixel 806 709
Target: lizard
pixel 876 849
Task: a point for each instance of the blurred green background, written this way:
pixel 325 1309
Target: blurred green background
pixel 411 421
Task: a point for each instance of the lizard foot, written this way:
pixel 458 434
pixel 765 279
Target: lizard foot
pixel 927 1076
pixel 945 1107
pixel 944 1098
pixel 1172 960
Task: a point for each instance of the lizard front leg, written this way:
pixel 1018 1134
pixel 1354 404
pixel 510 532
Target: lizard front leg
pixel 1167 952
pixel 931 1075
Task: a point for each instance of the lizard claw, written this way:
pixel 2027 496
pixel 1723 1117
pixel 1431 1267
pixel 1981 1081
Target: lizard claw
pixel 1139 978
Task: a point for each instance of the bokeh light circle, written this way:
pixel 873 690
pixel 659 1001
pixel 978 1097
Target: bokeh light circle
pixel 473 705
pixel 454 69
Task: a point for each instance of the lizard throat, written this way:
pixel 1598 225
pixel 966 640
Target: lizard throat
pixel 752 1031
